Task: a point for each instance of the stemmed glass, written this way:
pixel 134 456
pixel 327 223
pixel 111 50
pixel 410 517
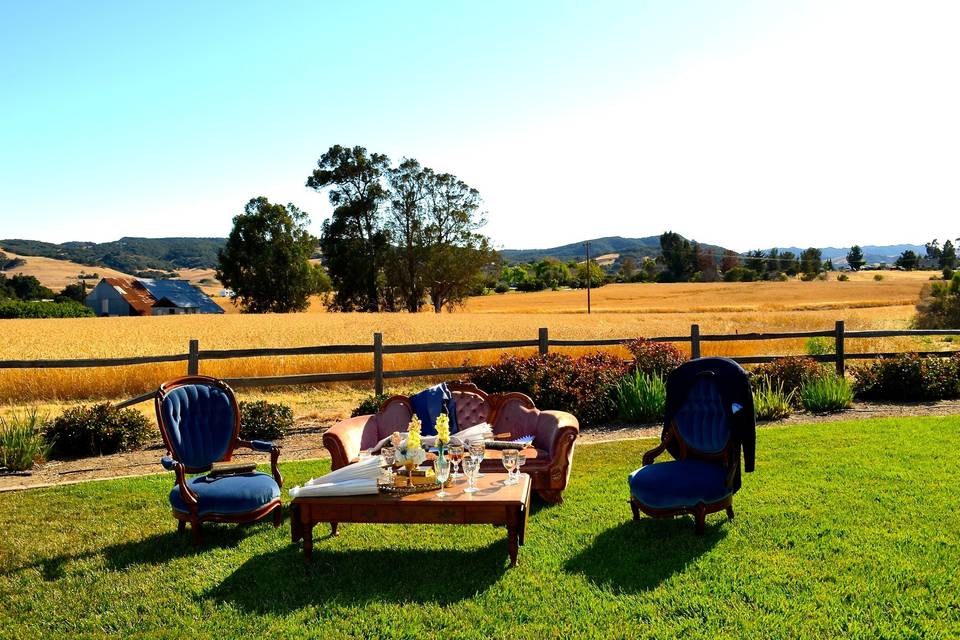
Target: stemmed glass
pixel 389 455
pixel 441 467
pixel 477 450
pixel 456 455
pixel 470 466
pixel 521 460
pixel 509 460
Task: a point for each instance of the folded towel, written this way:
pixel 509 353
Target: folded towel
pixel 358 487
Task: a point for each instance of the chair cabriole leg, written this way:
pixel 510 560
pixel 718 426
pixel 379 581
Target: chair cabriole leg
pixel 730 512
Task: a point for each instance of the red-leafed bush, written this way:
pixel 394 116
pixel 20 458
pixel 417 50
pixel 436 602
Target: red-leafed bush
pixel 655 358
pixel 909 377
pixel 584 386
pixel 792 372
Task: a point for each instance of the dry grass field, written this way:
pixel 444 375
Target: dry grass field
pixel 619 311
pixel 56 274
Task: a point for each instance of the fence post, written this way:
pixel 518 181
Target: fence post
pixel 841 365
pixel 694 341
pixel 544 341
pixel 378 363
pixel 193 359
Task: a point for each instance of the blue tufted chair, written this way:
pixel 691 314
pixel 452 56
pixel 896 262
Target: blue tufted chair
pixel 709 420
pixel 200 424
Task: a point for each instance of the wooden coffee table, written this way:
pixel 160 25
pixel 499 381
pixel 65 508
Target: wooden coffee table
pixel 494 503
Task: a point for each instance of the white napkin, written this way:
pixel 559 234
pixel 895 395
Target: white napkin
pixel 359 478
pixel 481 431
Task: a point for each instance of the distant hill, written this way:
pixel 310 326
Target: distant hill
pixel 636 247
pixel 871 253
pixel 129 255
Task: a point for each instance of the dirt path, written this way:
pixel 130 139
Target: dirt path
pixel 304 443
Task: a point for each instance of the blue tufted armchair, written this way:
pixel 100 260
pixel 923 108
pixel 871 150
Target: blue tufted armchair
pixel 200 423
pixel 709 420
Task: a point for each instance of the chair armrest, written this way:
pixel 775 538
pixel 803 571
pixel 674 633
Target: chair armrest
pixel 652 454
pixel 189 497
pixel 342 440
pixel 265 446
pixel 168 463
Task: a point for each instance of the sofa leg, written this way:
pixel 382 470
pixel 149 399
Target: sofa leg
pixel 701 520
pixel 730 512
pixel 196 532
pixel 635 508
pixel 550 497
pixel 277 516
pixel 181 526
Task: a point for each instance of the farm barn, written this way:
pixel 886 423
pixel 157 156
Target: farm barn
pixel 142 297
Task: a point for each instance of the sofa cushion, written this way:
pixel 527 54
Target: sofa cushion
pixel 228 495
pixel 679 483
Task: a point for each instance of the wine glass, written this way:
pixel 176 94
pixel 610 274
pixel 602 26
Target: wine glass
pixel 441 467
pixel 477 450
pixel 456 455
pixel 470 466
pixel 389 456
pixel 509 460
pixel 521 460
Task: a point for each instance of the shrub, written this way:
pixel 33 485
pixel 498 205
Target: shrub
pixel 98 429
pixel 584 386
pixel 654 357
pixel 790 372
pixel 877 277
pixel 939 306
pixel 819 346
pixel 824 394
pixel 909 377
pixel 370 405
pixel 641 397
pixel 10 309
pixel 22 444
pixel 770 401
pixel 263 420
pixel 502 287
pixel 842 277
pixel 947 274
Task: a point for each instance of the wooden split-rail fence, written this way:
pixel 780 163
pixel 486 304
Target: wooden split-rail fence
pixel 377 349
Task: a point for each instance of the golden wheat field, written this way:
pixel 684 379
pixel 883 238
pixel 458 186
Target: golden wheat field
pixel 620 311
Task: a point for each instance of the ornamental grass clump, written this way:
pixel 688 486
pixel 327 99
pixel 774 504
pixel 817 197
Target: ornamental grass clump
pixel 827 394
pixel 792 373
pixel 770 401
pixel 22 444
pixel 641 397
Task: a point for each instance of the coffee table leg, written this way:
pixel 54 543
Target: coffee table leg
pixel 308 542
pixel 296 527
pixel 333 529
pixel 513 539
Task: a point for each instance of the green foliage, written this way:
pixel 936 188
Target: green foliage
pixel 819 346
pixel 584 386
pixel 502 287
pixel 790 373
pixel 266 259
pixel 24 287
pixel 908 377
pixel 908 260
pixel 770 401
pixel 947 274
pixel 939 306
pixel 10 309
pixel 877 277
pixel 76 292
pixel 811 261
pixel 22 444
pixel 855 257
pixel 129 254
pixel 740 274
pixel 262 420
pixel 948 256
pixel 641 397
pixel 826 394
pixel 842 277
pixel 370 405
pixel 650 357
pixel 677 256
pixel 98 429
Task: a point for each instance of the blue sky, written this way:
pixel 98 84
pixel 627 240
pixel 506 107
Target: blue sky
pixel 744 124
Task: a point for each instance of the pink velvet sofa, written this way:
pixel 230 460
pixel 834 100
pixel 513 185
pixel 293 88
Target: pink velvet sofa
pixel 554 433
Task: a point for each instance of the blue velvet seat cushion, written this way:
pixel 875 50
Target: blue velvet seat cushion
pixel 228 495
pixel 679 483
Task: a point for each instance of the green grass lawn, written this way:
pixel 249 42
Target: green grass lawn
pixel 845 530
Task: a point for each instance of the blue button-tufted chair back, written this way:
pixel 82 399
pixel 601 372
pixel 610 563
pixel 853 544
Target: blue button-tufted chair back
pixel 200 422
pixel 702 420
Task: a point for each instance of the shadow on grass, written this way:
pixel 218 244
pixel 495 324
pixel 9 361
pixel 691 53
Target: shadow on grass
pixel 156 549
pixel 281 582
pixel 639 555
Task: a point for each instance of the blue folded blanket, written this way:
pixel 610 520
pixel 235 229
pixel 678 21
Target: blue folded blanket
pixel 429 404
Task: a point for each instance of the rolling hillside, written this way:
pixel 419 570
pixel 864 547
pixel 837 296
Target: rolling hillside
pixel 56 274
pixel 127 254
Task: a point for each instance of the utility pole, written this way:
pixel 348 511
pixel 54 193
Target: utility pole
pixel 587 245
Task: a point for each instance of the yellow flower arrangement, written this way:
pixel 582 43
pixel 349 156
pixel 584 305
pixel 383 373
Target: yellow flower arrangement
pixel 413 433
pixel 443 429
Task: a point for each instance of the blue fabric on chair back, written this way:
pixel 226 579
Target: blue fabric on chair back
pixel 702 420
pixel 430 403
pixel 199 419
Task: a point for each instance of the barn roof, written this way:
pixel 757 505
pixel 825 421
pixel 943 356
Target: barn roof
pixel 179 293
pixel 137 297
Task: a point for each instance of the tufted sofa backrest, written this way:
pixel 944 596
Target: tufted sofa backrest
pixel 199 423
pixel 471 408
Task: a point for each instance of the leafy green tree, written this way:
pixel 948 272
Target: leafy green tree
pixel 648 269
pixel 731 260
pixel 628 269
pixel 908 260
pixel 755 261
pixel 939 306
pixel 598 277
pixel 933 250
pixel 789 263
pixel 855 257
pixel 354 243
pixel 410 185
pixel 677 256
pixel 811 261
pixel 948 256
pixel 266 259
pixel 28 288
pixel 772 265
pixel 76 292
pixel 551 273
